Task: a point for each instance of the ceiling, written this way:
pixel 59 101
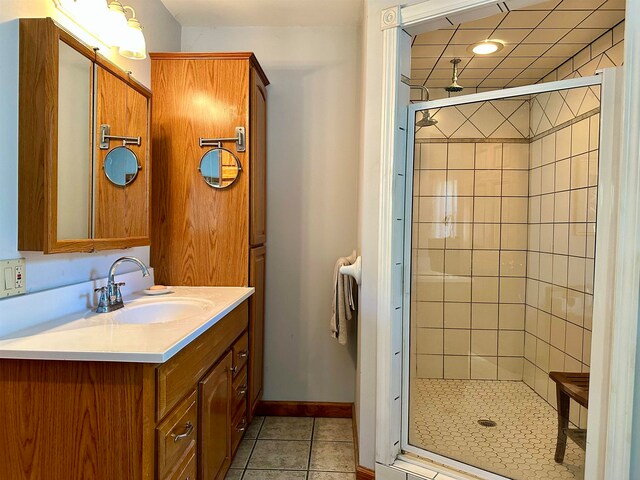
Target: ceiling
pixel 266 13
pixel 538 38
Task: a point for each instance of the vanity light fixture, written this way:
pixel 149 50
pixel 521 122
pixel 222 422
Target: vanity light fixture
pixel 126 32
pixel 486 47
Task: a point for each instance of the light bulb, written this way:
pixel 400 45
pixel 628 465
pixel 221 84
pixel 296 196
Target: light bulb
pixel 116 24
pixel 133 44
pixel 486 47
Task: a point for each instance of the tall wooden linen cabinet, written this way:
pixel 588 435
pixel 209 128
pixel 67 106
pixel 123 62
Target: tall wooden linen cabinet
pixel 205 236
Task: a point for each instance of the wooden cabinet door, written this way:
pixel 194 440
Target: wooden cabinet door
pixel 121 211
pixel 257 258
pixel 258 170
pixel 215 421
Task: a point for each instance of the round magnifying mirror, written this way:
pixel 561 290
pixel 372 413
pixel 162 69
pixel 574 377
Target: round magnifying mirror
pixel 220 168
pixel 121 166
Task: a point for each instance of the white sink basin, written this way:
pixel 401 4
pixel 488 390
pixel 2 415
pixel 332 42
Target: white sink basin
pixel 161 311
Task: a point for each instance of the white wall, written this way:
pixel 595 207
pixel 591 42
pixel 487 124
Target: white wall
pixel 312 175
pixel 162 32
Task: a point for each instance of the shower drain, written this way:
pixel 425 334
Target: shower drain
pixel 487 423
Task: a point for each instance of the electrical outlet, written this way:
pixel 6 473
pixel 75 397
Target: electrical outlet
pixel 12 277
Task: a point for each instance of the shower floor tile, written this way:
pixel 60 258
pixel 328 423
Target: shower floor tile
pixel 444 418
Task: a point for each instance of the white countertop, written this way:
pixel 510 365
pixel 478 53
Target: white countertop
pixel 91 336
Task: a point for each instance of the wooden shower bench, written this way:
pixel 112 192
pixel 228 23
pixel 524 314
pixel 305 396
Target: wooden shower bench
pixel 569 386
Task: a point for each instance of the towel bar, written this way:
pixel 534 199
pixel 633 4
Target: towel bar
pixel 354 270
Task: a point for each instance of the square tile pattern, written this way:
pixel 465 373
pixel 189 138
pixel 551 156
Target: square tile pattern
pixel 538 40
pixel 296 448
pixel 444 420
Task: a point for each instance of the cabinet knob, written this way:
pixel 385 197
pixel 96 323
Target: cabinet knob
pixel 242 426
pixel 188 430
pixel 243 354
pixel 242 390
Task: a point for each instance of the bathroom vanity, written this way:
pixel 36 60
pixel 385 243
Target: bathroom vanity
pixel 156 390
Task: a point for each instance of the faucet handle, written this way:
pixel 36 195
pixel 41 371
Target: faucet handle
pixel 100 289
pixel 121 284
pixel 102 301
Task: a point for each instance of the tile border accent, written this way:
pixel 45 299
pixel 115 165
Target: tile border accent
pixel 568 123
pixel 471 140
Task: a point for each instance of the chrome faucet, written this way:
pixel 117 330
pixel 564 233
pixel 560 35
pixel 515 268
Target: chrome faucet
pixel 111 296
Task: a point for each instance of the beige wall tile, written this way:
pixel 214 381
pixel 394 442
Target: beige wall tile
pixel 515 183
pixel 484 316
pixel 457 289
pixel 511 316
pixel 592 179
pixel 544 326
pixel 460 236
pixel 513 263
pixel 510 368
pixel 512 290
pixel 488 156
pixel 535 154
pixel 560 266
pixel 548 178
pixel 577 240
pixel 429 289
pixel 430 341
pixel 430 235
pixel 574 341
pixel 510 343
pixel 580 171
pixel 515 156
pixel 563 143
pixel 484 368
pixel 433 183
pixel 429 366
pixel 488 183
pixel 485 289
pixel 561 207
pixel 546 238
pixel 547 205
pixel 514 236
pixel 486 237
pixel 458 262
pixel 563 175
pixel 580 137
pixel 558 332
pixel 457 342
pixel 561 238
pixel 487 210
pixel 544 296
pixel 459 183
pixel 515 210
pixel 535 181
pixel 433 155
pixel 534 209
pixel 486 262
pixel 575 307
pixel 429 314
pixel 456 367
pixel 530 347
pixel 528 373
pixel 542 355
pixel 548 154
pixel 429 262
pixel 578 205
pixel 559 301
pixel 534 238
pixel 461 156
pixel 484 342
pixel 459 209
pixel 432 209
pixel 531 295
pixel 457 315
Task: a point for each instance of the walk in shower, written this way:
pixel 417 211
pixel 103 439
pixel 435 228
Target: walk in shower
pixel 501 248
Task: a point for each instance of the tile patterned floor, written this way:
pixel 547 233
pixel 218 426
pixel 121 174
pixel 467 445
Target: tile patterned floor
pixel 294 448
pixel 444 416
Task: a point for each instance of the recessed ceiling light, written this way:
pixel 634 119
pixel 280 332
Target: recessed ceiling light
pixel 486 47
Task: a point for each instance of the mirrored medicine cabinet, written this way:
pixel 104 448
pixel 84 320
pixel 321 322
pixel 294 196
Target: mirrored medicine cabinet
pixel 84 165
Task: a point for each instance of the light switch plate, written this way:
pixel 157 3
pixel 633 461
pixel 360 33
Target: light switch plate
pixel 12 277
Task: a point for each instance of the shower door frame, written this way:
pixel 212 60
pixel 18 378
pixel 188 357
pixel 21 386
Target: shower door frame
pixel 599 362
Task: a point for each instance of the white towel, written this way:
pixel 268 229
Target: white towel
pixel 342 300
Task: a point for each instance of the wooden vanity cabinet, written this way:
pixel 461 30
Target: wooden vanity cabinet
pixel 212 237
pixel 111 420
pixel 215 440
pixel 66 91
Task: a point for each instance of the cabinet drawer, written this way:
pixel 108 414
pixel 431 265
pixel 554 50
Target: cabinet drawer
pixel 176 436
pixel 181 373
pixel 187 470
pixel 240 353
pixel 239 392
pixel 238 428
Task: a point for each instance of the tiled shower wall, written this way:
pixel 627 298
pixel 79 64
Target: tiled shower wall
pixel 562 215
pixel 470 240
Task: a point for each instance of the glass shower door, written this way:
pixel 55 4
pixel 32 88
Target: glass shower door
pixel 501 259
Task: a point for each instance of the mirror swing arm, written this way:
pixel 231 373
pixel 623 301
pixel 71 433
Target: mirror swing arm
pixel 106 137
pixel 240 139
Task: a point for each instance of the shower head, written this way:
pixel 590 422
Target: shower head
pixel 454 87
pixel 427 120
